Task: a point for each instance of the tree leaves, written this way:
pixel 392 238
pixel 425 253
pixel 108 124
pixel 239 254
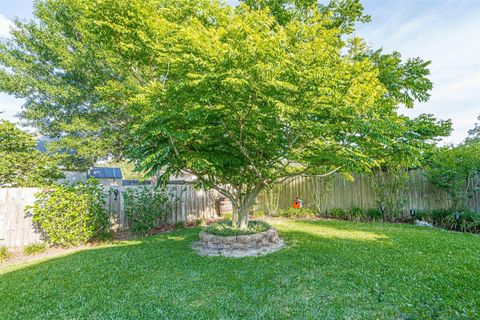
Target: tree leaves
pixel 241 97
pixel 21 164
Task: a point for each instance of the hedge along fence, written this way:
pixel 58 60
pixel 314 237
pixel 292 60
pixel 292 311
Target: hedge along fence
pixel 17 228
pixel 322 195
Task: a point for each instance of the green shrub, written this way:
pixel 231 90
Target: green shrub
pixel 297 213
pixel 469 221
pixel 227 216
pixel 374 214
pixel 70 215
pixel 338 213
pixel 421 215
pixel 145 207
pixel 258 214
pixel 4 254
pixel 180 225
pixel 225 228
pixel 439 216
pixel 34 248
pixel 356 214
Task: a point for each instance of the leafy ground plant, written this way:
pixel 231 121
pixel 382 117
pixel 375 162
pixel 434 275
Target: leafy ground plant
pixel 297 213
pixel 328 270
pixel 338 213
pixel 34 248
pixel 4 254
pixel 225 228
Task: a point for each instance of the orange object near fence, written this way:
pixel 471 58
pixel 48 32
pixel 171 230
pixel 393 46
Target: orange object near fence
pixel 297 203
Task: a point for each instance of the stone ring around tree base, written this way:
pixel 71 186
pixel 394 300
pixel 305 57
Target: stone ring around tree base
pixel 257 244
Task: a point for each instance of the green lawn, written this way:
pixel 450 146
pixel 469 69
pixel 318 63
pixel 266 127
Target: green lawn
pixel 330 270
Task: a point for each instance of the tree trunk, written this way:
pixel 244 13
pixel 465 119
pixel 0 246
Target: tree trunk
pixel 243 207
pixel 242 222
pixel 242 204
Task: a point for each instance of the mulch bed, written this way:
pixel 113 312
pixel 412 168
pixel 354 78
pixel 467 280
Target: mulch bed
pixel 125 235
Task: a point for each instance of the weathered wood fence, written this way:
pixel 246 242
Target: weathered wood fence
pixel 341 193
pixel 16 228
pixel 188 204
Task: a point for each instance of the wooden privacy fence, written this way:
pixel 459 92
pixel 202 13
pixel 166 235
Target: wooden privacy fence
pixel 341 193
pixel 16 228
pixel 188 204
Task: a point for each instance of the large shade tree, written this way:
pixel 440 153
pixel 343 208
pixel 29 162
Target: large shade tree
pixel 21 164
pixel 241 97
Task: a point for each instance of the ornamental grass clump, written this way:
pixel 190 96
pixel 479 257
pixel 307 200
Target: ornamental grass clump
pixel 34 248
pixel 4 254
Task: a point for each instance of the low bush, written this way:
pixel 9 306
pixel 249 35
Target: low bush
pixel 180 225
pixel 374 214
pixel 34 248
pixel 70 215
pixel 469 221
pixel 4 254
pixel 258 214
pixel 225 228
pixel 357 214
pixel 145 207
pixel 439 216
pixel 297 213
pixel 421 215
pixel 227 216
pixel 338 213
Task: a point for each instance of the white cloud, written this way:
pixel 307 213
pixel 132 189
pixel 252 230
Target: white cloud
pixel 448 34
pixel 5 25
pixel 10 107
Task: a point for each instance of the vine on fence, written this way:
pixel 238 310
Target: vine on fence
pixel 271 197
pixel 320 186
pixel 391 192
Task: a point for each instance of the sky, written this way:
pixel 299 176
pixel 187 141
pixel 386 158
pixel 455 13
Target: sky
pixel 445 32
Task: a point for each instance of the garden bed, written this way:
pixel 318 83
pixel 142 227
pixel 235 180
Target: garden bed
pixel 222 240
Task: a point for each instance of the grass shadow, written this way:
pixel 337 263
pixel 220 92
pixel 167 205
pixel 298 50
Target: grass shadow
pixel 323 273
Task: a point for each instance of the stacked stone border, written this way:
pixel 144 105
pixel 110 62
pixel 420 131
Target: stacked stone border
pixel 238 246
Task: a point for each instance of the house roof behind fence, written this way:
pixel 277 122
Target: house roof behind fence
pixel 105 173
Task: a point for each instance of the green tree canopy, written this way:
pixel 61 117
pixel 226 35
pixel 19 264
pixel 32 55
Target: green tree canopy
pixel 240 97
pixel 474 134
pixel 456 170
pixel 21 164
